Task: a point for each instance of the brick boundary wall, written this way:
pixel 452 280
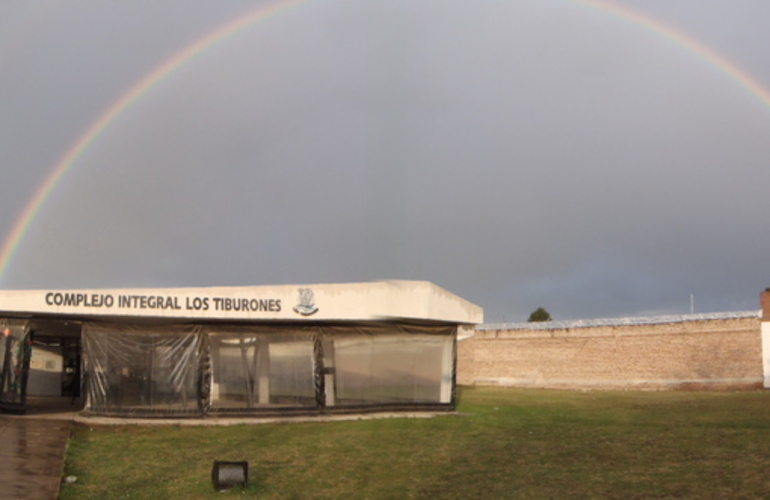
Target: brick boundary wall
pixel 691 352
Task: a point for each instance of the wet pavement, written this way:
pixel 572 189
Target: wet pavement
pixel 32 448
pixel 32 456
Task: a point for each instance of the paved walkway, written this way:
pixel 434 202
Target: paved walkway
pixel 32 457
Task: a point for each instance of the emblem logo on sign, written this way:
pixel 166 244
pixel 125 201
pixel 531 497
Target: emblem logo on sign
pixel 306 305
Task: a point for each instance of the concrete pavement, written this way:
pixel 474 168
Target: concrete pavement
pixel 32 456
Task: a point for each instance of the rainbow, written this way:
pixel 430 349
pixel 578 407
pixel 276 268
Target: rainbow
pixel 157 75
pixel 35 204
pixel 739 75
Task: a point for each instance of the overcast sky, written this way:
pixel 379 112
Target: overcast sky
pixel 519 153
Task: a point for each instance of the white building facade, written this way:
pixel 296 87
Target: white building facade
pixel 236 350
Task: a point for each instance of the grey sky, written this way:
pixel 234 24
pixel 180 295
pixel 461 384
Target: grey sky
pixel 520 153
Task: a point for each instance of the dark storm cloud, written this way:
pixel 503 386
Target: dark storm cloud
pixel 520 154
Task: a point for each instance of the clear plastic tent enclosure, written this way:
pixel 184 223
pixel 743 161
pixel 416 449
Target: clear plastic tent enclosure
pixel 197 370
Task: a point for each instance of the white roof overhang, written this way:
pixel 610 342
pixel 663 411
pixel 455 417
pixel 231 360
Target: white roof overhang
pixel 374 301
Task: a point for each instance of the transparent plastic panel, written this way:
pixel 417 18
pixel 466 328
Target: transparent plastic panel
pixel 15 351
pixel 392 366
pixel 234 377
pixel 138 369
pixel 292 372
pixel 265 367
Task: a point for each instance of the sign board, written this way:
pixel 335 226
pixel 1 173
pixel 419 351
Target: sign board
pixel 323 302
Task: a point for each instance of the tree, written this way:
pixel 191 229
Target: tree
pixel 539 314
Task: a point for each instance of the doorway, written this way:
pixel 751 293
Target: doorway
pixel 46 367
pixel 53 381
pixel 54 367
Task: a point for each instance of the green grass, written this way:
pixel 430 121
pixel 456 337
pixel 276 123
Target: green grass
pixel 505 443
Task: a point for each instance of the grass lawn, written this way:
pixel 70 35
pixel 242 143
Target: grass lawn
pixel 503 443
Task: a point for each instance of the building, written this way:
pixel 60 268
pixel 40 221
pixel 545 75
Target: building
pixel 238 350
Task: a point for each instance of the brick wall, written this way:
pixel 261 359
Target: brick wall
pixel 698 354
